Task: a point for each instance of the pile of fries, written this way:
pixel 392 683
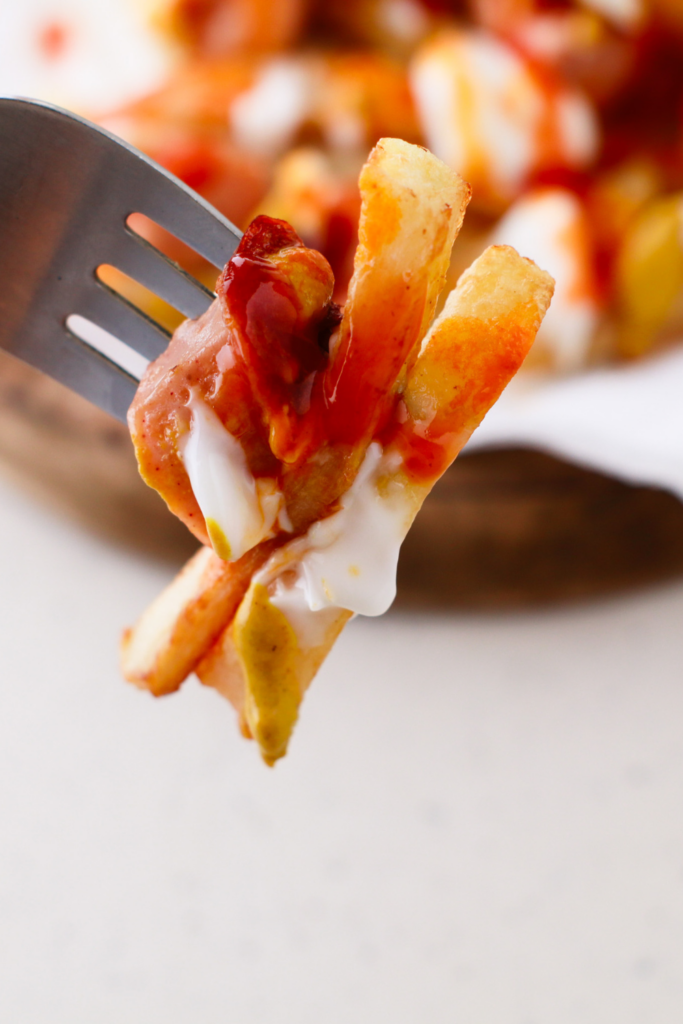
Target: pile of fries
pixel 564 115
pixel 298 441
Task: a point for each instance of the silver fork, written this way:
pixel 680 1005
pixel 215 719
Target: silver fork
pixel 67 189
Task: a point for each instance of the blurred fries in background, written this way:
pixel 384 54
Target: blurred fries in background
pixel 565 117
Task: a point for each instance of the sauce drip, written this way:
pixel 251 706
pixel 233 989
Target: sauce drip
pixel 278 295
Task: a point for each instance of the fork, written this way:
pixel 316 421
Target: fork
pixel 67 189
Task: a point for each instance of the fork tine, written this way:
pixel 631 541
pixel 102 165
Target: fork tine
pixel 106 308
pixel 68 188
pixel 134 256
pixel 100 379
pixel 175 207
pixel 79 367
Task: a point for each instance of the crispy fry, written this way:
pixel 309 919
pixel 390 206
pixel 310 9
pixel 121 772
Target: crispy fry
pixel 649 274
pixel 476 345
pixel 261 668
pixel 358 437
pixel 178 628
pixel 413 207
pixel 261 663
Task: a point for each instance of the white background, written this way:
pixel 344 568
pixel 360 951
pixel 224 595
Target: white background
pixel 480 820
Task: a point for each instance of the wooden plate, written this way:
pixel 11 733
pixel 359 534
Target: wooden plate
pixel 502 529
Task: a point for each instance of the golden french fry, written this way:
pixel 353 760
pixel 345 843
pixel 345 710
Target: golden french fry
pixel 477 344
pixel 260 666
pixel 178 628
pixel 383 421
pixel 649 274
pixel 264 662
pixel 412 209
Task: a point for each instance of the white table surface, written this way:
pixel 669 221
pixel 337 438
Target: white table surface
pixel 480 821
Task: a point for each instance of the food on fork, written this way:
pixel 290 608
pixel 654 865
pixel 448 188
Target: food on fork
pixel 298 441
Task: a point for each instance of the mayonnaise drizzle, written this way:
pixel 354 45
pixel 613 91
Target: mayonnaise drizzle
pixel 483 110
pixel 266 117
pixel 348 560
pixel 243 509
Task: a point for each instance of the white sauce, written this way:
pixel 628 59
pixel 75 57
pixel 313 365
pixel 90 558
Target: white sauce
pixel 352 555
pixel 475 97
pixel 545 226
pixel 266 117
pixel 403 19
pixel 347 561
pixel 245 509
pixel 437 100
pixel 310 627
pixel 578 128
pixel 625 14
pixel 479 104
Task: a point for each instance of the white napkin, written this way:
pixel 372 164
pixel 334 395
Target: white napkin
pixel 86 55
pixel 626 421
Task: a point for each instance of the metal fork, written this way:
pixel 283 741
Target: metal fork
pixel 67 189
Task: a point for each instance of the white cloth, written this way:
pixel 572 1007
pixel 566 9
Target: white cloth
pixel 626 421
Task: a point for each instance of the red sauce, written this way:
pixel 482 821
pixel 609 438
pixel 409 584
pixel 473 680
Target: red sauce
pixel 194 161
pixel 280 325
pixel 53 40
pixel 301 415
pixel 340 240
pixel 266 306
pixel 424 458
pixel 358 390
pixel 307 399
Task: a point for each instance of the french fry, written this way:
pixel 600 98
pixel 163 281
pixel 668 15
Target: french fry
pixel 411 212
pixel 413 207
pixel 388 412
pixel 649 274
pixel 261 668
pixel 476 346
pixel 475 92
pixel 178 628
pixel 489 322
